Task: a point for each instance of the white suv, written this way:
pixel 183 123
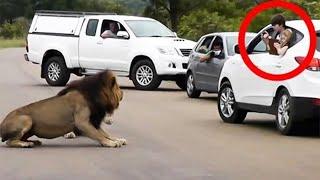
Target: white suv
pixel 295 102
pixel 145 50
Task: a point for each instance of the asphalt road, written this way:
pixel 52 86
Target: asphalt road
pixel 170 137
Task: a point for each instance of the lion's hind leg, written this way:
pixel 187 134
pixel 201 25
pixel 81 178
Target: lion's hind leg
pixel 17 132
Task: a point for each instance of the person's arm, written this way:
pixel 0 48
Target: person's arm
pixel 265 38
pixel 281 50
pixel 108 34
pixel 207 56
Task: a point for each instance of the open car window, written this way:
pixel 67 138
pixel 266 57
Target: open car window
pixel 105 26
pixel 258 46
pixel 204 46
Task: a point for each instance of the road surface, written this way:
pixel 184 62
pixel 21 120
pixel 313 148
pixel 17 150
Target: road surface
pixel 170 137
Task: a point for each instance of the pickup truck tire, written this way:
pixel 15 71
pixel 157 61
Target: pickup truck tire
pixel 144 75
pixel 56 72
pixel 181 82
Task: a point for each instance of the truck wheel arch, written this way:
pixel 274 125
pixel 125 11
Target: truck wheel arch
pixel 137 59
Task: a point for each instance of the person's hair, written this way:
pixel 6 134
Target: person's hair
pixel 288 34
pixel 278 19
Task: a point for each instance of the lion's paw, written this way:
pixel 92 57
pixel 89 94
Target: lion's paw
pixel 123 141
pixel 70 135
pixel 114 144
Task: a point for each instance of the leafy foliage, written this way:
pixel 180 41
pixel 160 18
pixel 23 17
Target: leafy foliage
pixel 190 18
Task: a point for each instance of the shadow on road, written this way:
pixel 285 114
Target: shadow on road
pixel 209 98
pixel 270 125
pixel 158 89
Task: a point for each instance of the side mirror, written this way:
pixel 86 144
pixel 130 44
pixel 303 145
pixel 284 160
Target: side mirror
pixel 175 34
pixel 123 34
pixel 236 49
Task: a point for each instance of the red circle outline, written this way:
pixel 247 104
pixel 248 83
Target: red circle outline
pixel 268 5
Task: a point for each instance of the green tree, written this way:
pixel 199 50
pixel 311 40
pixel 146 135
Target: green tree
pixel 173 9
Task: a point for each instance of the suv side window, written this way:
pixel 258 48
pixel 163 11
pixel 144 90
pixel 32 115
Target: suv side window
pixel 258 46
pixel 92 27
pixel 205 45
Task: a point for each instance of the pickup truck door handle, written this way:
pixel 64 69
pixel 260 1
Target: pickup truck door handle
pixel 100 42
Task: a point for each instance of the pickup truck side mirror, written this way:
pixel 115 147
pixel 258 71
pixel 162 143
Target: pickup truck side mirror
pixel 236 49
pixel 123 34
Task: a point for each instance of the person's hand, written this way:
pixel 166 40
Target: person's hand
pixel 265 35
pixel 276 45
pixel 204 58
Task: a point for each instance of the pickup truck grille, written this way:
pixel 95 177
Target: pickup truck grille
pixel 185 52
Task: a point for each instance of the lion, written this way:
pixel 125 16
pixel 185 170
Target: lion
pixel 81 107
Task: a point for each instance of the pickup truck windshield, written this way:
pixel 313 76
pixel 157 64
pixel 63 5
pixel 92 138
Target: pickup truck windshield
pixel 148 28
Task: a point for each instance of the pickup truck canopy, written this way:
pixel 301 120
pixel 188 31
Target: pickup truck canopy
pixel 60 22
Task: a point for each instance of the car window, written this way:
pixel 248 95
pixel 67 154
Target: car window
pixel 149 28
pixel 258 46
pixel 92 27
pixel 105 26
pixel 232 41
pixel 205 45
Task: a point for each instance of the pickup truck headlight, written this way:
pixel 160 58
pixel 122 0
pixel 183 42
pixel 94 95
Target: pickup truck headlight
pixel 167 51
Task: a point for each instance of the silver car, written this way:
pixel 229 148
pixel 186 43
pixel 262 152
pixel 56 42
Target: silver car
pixel 204 76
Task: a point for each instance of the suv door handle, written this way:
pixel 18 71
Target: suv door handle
pixel 100 42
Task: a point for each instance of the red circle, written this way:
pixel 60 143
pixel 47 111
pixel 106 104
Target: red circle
pixel 268 5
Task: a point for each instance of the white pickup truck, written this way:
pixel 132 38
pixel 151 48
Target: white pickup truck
pixel 143 49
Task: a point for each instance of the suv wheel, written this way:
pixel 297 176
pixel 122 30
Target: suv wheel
pixel 144 76
pixel 56 72
pixel 192 91
pixel 288 120
pixel 228 107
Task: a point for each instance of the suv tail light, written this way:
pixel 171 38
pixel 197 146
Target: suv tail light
pixel 27 46
pixel 313 66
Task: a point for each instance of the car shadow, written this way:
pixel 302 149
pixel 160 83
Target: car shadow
pixel 158 89
pixel 209 98
pixel 270 125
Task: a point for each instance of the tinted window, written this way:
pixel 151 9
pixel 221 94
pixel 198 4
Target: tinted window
pixel 92 27
pixel 318 40
pixel 205 45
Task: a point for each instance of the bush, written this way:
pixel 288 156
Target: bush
pixel 18 29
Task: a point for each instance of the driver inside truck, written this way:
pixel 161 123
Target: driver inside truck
pixel 112 31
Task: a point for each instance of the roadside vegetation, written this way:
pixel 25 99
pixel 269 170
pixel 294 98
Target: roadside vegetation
pixel 189 18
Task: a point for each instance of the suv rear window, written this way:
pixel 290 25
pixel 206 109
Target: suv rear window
pixel 92 27
pixel 318 41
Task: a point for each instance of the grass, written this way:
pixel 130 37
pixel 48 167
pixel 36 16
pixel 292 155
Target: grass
pixel 8 43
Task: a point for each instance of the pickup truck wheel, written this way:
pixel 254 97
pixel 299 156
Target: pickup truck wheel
pixel 56 72
pixel 228 107
pixel 192 91
pixel 144 76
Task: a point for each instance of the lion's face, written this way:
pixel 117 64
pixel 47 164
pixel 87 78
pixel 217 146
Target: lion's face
pixel 111 90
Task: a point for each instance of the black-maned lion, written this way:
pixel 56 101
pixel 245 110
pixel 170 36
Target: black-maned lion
pixel 81 106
